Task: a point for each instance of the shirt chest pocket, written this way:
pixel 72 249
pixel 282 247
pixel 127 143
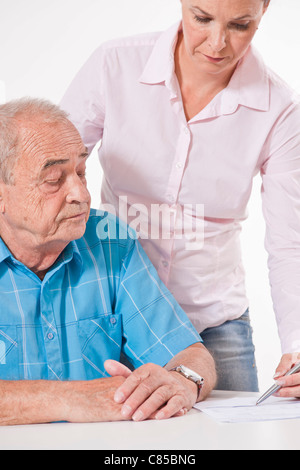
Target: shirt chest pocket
pixel 100 339
pixel 9 354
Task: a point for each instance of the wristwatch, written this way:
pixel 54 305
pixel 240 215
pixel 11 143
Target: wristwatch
pixel 190 375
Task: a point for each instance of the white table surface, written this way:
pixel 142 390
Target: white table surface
pixel 195 431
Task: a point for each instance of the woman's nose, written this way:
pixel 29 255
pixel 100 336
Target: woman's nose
pixel 217 38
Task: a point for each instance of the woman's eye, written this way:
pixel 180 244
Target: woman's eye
pixel 202 19
pixel 236 26
pixel 240 27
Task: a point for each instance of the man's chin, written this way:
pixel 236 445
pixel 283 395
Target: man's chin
pixel 76 228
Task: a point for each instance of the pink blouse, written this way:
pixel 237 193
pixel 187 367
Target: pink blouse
pixel 184 186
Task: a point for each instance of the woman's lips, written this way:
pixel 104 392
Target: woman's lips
pixel 215 60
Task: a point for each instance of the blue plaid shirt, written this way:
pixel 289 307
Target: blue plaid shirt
pixel 101 298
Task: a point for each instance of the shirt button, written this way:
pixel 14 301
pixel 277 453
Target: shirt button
pixel 178 165
pixel 165 264
pixel 186 130
pixel 171 197
pixel 113 321
pixel 50 336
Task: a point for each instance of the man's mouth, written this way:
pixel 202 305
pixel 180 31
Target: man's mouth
pixel 82 215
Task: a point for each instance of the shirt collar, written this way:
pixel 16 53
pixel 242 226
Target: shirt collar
pixel 161 65
pixel 70 252
pixel 4 251
pixel 249 85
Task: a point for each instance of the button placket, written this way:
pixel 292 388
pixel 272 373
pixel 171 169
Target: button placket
pixel 172 194
pixel 180 159
pixel 51 338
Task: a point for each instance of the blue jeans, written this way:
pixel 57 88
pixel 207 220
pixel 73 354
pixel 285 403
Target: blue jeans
pixel 231 346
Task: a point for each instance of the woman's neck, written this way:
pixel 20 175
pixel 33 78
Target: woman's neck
pixel 198 88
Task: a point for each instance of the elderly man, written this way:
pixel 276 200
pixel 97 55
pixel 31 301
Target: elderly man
pixel 71 302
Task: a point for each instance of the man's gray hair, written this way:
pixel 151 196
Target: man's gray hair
pixel 13 116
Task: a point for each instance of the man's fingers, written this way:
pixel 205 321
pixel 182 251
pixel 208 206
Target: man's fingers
pixel 161 404
pixel 145 405
pixel 136 390
pixel 173 408
pixel 139 378
pixel 154 392
pixel 131 383
pixel 115 368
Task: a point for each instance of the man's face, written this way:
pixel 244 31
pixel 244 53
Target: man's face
pixel 49 201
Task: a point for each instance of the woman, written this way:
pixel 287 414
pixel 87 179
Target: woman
pixel 187 118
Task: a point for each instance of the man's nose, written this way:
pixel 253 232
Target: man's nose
pixel 77 191
pixel 217 38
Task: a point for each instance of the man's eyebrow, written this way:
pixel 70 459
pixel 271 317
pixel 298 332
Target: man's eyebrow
pixel 84 154
pixel 51 163
pixel 61 161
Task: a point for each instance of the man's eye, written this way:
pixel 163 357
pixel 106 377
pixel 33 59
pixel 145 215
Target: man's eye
pixel 53 182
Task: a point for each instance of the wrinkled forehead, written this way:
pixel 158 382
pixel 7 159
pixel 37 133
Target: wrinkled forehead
pixel 43 140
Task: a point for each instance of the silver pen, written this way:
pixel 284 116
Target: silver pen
pixel 276 387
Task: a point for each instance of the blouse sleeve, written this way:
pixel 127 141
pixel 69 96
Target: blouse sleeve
pixel 281 206
pixel 84 100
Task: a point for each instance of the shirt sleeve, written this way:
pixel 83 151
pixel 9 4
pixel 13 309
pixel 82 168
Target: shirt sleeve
pixel 281 207
pixel 155 328
pixel 84 100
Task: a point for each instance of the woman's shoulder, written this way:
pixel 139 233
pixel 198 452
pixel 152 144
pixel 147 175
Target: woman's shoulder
pixel 137 40
pixel 280 89
pixel 125 50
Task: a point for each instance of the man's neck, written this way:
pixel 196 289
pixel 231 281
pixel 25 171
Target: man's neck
pixel 38 258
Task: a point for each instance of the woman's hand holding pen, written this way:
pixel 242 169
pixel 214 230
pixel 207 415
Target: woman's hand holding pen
pixel 290 384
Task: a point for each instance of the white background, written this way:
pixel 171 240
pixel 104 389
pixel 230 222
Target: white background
pixel 43 43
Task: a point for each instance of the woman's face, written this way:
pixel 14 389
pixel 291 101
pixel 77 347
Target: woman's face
pixel 217 33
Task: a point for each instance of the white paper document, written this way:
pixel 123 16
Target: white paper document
pixel 244 410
